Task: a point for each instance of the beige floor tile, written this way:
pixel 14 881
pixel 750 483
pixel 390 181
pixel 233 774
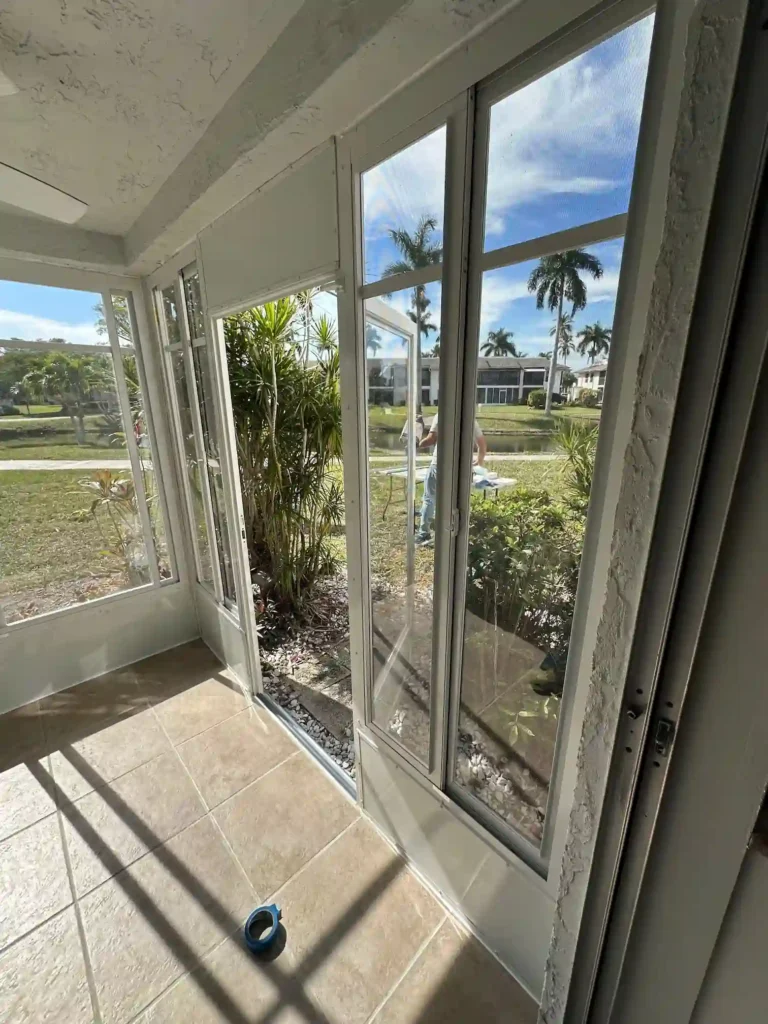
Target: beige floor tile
pixel 148 925
pixel 455 979
pixel 355 919
pixel 200 707
pixel 33 879
pixel 233 987
pixel 115 825
pixel 172 672
pixel 21 736
pixel 224 759
pixel 70 715
pixel 25 796
pixel 281 821
pixel 108 753
pixel 42 977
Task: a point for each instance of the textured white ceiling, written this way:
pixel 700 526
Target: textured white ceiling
pixel 114 93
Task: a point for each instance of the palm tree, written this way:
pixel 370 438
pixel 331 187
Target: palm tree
pixel 499 343
pixel 555 280
pixel 71 380
pixel 418 250
pixel 372 339
pixel 565 343
pixel 545 355
pixel 595 339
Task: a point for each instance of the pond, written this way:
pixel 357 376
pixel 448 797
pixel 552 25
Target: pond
pixel 389 440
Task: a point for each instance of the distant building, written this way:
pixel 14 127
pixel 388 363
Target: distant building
pixel 590 378
pixel 501 380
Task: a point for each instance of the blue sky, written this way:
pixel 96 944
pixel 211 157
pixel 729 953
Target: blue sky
pixel 561 153
pixel 32 311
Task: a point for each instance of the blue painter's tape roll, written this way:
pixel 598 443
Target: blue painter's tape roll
pixel 261 927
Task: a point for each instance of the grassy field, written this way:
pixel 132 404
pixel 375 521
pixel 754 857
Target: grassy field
pixel 54 438
pixel 38 410
pixel 41 546
pixel 507 418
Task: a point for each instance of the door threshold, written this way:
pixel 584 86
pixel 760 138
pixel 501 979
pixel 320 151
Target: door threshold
pixel 311 746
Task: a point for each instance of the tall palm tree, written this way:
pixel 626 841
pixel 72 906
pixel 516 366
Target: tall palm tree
pixel 372 339
pixel 418 250
pixel 555 280
pixel 565 342
pixel 499 343
pixel 595 340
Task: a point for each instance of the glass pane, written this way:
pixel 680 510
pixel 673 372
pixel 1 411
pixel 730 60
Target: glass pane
pixel 194 303
pixel 562 149
pixel 140 426
pixel 171 314
pixel 69 533
pixel 526 528
pixel 402 480
pixel 192 467
pixel 213 463
pixel 403 200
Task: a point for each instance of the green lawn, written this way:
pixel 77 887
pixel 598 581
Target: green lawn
pixel 38 410
pixel 40 543
pixel 508 418
pixel 25 450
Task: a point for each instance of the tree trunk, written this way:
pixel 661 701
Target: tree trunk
pixel 553 358
pixel 418 351
pixel 79 424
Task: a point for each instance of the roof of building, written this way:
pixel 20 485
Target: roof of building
pixel 593 368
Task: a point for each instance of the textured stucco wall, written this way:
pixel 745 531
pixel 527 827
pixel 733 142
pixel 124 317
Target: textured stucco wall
pixel 710 56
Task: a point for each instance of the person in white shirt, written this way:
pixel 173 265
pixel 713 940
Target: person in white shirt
pixel 430 484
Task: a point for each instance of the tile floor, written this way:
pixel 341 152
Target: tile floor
pixel 145 813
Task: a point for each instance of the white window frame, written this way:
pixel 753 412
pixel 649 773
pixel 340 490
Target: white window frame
pixel 107 286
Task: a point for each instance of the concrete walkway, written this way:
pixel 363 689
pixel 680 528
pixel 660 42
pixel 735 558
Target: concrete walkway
pixel 83 465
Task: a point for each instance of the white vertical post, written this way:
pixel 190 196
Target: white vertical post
pixel 130 437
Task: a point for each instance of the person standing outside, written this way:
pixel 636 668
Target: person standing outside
pixel 423 536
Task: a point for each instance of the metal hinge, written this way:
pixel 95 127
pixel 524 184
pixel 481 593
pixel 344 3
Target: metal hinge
pixel 663 737
pixel 455 522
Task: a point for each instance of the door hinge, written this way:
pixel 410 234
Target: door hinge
pixel 455 522
pixel 663 737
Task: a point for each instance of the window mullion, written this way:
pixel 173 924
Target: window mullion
pixel 130 438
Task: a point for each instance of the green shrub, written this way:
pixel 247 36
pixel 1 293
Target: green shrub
pixel 537 399
pixel 589 399
pixel 523 566
pixel 288 426
pixel 578 442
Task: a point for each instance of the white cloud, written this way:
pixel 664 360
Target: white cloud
pixel 567 133
pixel 33 328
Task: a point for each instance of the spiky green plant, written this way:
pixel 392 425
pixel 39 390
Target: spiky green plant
pixel 288 428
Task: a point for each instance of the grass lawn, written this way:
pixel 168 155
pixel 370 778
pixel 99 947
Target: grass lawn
pixel 42 547
pixel 508 418
pixel 39 410
pixel 25 450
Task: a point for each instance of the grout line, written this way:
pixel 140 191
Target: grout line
pixel 26 828
pixel 253 782
pixel 153 708
pixel 411 963
pixel 30 931
pixel 273 896
pixel 177 981
pixel 89 975
pixel 210 816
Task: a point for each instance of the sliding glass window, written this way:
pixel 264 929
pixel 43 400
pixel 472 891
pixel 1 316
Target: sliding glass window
pixel 557 156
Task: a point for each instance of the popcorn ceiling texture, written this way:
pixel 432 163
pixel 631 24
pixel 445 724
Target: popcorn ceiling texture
pixel 711 55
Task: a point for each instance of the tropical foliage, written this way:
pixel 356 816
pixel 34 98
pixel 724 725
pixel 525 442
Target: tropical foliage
pixel 537 399
pixel 578 443
pixel 595 340
pixel 499 343
pixel 555 280
pixel 115 510
pixel 287 416
pixel 76 382
pixel 565 342
pixel 417 250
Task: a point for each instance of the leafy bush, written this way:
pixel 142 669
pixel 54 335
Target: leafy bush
pixel 578 442
pixel 287 415
pixel 537 399
pixel 589 399
pixel 523 566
